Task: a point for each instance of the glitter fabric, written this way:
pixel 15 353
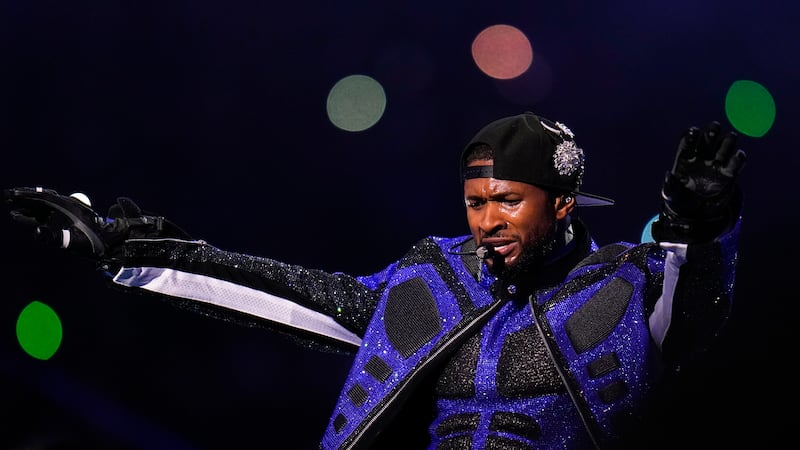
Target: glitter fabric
pixel 478 361
pixel 610 378
pixel 462 305
pixel 346 299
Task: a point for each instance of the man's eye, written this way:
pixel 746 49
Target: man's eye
pixel 511 202
pixel 475 203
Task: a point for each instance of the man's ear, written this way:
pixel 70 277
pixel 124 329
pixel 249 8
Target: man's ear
pixel 564 205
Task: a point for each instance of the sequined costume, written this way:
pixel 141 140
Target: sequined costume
pixel 449 357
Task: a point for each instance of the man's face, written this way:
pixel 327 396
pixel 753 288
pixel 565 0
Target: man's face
pixel 517 219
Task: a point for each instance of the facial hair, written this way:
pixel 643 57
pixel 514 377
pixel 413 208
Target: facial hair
pixel 533 255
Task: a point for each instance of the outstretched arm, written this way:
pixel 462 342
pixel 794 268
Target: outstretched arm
pixel 145 252
pixel 330 309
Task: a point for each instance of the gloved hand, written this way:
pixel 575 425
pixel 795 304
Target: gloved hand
pixel 700 193
pixel 69 222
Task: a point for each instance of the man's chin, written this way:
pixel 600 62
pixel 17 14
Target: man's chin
pixel 496 265
pixel 524 263
pixel 510 272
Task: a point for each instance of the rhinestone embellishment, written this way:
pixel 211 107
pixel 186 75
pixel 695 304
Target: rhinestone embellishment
pixel 565 130
pixel 568 159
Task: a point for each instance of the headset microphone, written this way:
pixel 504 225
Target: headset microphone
pixel 484 251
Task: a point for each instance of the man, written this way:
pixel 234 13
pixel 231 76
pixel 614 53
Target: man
pixel 525 334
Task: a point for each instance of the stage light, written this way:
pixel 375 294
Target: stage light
pixel 502 52
pixel 750 108
pixel 39 330
pixel 356 103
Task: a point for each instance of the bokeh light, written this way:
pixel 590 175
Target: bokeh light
pixel 356 103
pixel 647 235
pixel 39 330
pixel 502 52
pixel 750 108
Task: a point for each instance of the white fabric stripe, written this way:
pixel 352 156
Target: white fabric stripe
pixel 235 297
pixel 662 314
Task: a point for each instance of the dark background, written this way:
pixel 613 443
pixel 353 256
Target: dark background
pixel 213 114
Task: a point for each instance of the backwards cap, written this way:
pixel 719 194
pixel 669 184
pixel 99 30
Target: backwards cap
pixel 534 150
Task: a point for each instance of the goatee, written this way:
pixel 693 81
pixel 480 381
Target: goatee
pixel 533 256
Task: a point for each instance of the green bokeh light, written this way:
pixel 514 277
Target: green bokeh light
pixel 39 330
pixel 356 103
pixel 647 235
pixel 750 108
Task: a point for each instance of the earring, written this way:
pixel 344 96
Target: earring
pixel 567 199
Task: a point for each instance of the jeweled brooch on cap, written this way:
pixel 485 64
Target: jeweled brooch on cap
pixel 568 159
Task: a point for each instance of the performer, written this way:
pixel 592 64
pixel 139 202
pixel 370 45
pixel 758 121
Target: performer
pixel 524 333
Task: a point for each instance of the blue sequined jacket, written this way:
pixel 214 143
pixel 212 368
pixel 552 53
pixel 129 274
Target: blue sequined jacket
pixel 449 357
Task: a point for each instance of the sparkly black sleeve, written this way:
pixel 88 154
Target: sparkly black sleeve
pixel 699 284
pixel 320 308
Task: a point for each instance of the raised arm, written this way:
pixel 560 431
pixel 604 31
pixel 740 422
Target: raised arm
pixel 698 226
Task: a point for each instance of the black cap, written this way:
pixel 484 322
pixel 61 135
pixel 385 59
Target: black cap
pixel 534 150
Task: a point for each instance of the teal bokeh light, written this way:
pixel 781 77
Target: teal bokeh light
pixel 647 235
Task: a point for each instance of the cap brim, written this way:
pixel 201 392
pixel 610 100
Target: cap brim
pixel 584 199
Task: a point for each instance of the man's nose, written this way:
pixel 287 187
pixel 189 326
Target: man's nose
pixel 492 220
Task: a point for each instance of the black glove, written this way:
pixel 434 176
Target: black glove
pixel 701 196
pixel 69 222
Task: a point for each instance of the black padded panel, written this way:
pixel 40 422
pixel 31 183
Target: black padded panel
pixel 458 423
pixel 378 369
pixel 613 391
pixel 596 318
pixel 494 442
pixel 357 394
pixel 339 422
pixel 515 423
pixel 411 317
pixel 603 365
pixel 471 262
pixel 456 443
pixel 525 368
pixel 457 379
pixel 602 255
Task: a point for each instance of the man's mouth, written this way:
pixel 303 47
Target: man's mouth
pixel 501 247
pixel 504 250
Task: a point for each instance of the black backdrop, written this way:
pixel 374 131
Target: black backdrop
pixel 213 113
